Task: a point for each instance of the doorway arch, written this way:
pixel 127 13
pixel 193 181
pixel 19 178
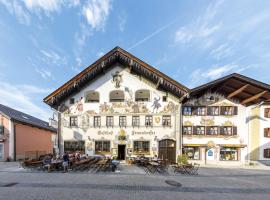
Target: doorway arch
pixel 167 150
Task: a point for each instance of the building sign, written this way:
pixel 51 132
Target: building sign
pixel 105 132
pixel 143 132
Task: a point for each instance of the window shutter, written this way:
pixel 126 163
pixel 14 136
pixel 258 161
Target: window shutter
pixel 222 110
pixel 266 112
pixel 66 123
pixel 235 110
pixel 221 130
pixel 209 110
pixel 266 132
pixel 208 128
pixel 234 130
pixel 194 131
pixel 195 110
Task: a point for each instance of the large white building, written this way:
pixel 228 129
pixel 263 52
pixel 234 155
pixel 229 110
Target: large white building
pixel 123 107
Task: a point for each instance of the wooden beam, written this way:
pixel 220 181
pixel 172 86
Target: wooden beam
pixel 237 91
pixel 253 97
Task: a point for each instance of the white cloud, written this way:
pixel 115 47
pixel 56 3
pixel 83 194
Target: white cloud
pixel 200 76
pixel 45 5
pixel 16 9
pixel 31 89
pixel 202 27
pixel 221 51
pixel 13 96
pixel 122 19
pixel 96 13
pixel 44 73
pixel 51 57
pixel 100 54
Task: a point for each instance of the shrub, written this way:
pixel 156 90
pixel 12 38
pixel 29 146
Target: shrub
pixel 182 159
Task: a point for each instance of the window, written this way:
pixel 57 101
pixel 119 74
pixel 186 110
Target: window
pixel 97 121
pixel 228 154
pixel 266 153
pixel 199 130
pixel 193 153
pixel 142 95
pixel 267 132
pixel 166 120
pixel 1 130
pixel 141 147
pixel 102 147
pixel 267 112
pixel 187 110
pixel 148 120
pixel 74 146
pixel 164 98
pixel 187 130
pixel 212 130
pixel 228 110
pixel 122 121
pixel 213 110
pixel 109 121
pixel 227 130
pixel 136 121
pixel 91 96
pixel 117 96
pixel 201 111
pixel 73 121
pixel 71 101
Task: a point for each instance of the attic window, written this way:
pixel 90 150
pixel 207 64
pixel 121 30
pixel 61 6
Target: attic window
pixel 25 117
pixel 91 96
pixel 71 101
pixel 117 96
pixel 142 95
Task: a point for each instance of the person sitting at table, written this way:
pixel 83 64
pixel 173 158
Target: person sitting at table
pixel 77 156
pixel 65 162
pixel 47 162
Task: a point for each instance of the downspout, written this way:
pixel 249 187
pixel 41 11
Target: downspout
pixel 15 143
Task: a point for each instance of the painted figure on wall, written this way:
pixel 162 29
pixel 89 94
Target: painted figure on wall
pixel 156 105
pixel 117 79
pixel 80 105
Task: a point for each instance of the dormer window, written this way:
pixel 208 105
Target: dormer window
pixel 117 96
pixel 142 95
pixel 91 97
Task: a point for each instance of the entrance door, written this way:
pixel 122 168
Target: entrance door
pixel 1 152
pixel 167 150
pixel 121 152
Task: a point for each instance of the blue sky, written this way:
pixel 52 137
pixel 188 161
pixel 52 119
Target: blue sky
pixel 44 43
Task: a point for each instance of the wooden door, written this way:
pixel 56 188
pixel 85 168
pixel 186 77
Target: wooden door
pixel 167 150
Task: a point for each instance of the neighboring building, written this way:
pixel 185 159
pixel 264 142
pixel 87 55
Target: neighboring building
pixel 260 129
pixel 123 107
pixel 217 117
pixel 120 106
pixel 22 135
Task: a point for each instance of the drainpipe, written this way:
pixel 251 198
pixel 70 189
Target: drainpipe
pixel 14 138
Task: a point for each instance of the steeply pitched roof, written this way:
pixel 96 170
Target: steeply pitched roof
pixel 24 118
pixel 116 55
pixel 242 88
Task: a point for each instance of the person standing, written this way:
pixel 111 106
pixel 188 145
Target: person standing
pixel 65 162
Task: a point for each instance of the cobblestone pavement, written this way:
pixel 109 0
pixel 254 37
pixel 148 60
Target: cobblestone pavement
pixel 133 183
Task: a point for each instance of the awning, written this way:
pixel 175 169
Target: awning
pixel 233 145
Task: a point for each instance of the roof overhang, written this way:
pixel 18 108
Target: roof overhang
pixel 116 55
pixel 245 90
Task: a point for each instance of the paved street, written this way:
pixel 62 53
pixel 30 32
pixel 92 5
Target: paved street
pixel 132 183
